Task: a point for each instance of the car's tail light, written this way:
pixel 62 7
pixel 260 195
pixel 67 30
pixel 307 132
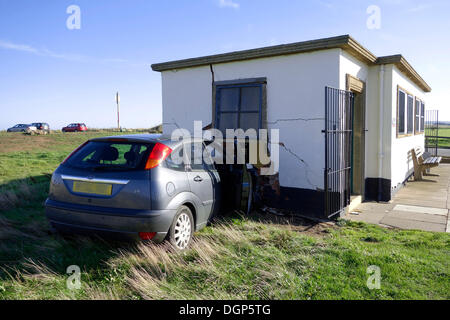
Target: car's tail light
pixel 159 153
pixel 74 151
pixel 147 235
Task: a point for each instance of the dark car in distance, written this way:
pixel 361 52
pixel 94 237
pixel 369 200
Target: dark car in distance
pixel 137 187
pixel 75 127
pixel 45 127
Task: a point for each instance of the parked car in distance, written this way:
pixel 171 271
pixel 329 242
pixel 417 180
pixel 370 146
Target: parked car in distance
pixel 75 127
pixel 22 128
pixel 42 126
pixel 134 187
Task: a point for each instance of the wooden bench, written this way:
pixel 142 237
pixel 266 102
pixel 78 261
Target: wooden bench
pixel 422 162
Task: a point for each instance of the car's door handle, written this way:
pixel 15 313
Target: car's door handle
pixel 198 179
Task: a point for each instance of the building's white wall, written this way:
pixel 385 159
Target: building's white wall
pixel 387 122
pixel 401 166
pixel 373 136
pixel 295 89
pixel 354 67
pixel 350 65
pixel 371 76
pixel 186 97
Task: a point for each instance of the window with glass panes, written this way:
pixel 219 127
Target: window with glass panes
pixel 239 106
pixel 405 113
pixel 419 116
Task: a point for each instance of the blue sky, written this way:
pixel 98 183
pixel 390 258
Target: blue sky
pixel 50 73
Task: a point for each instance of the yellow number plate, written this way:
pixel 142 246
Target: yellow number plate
pixel 103 189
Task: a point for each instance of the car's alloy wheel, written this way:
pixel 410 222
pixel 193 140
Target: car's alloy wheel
pixel 182 228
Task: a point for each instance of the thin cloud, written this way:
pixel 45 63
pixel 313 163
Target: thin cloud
pixel 419 8
pixel 18 47
pixel 41 52
pixel 65 56
pixel 228 4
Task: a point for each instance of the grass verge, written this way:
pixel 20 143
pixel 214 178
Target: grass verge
pixel 252 257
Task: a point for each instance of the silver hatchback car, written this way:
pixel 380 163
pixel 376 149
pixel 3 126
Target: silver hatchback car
pixel 135 187
pixel 22 128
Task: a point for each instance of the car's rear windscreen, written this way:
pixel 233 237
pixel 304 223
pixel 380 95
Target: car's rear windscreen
pixel 111 156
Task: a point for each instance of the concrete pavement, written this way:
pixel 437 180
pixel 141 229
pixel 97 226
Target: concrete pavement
pixel 421 205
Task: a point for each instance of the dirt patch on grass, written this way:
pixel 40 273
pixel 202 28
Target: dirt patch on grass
pixel 291 221
pixel 317 229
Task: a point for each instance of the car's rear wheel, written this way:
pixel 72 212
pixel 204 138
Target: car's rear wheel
pixel 182 229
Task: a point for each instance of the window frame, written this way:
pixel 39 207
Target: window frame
pixel 421 115
pixel 168 161
pixel 196 168
pixel 407 94
pixel 240 83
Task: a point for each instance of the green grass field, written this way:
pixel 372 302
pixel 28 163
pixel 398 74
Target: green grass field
pixel 444 131
pixel 253 257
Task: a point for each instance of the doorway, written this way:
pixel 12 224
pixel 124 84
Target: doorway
pixel 357 86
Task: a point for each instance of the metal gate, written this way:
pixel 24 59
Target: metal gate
pixel 338 149
pixel 432 132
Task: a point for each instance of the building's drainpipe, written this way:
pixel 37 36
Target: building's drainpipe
pixel 381 129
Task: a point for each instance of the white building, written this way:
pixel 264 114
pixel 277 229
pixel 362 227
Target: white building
pixel 285 86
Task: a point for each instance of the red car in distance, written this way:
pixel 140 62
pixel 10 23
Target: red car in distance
pixel 75 127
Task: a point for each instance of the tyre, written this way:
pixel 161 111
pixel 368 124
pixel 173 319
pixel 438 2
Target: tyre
pixel 182 228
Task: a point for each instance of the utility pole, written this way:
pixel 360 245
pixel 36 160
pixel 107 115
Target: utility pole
pixel 118 110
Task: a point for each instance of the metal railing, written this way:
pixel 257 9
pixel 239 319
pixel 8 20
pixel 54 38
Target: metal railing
pixel 438 145
pixel 338 144
pixel 436 142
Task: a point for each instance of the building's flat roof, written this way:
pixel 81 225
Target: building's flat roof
pixel 403 65
pixel 344 42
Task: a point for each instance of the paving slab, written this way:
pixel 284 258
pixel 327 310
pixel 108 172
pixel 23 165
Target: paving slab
pixel 413 224
pixel 372 217
pixel 417 216
pixel 419 209
pixel 422 202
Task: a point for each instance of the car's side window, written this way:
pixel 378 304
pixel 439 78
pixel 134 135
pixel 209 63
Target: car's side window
pixel 200 158
pixel 196 158
pixel 175 160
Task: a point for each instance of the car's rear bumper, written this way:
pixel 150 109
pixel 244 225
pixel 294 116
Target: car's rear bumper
pixel 120 224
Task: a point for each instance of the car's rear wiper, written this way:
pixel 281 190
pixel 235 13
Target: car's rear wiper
pixel 100 168
pixel 112 168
